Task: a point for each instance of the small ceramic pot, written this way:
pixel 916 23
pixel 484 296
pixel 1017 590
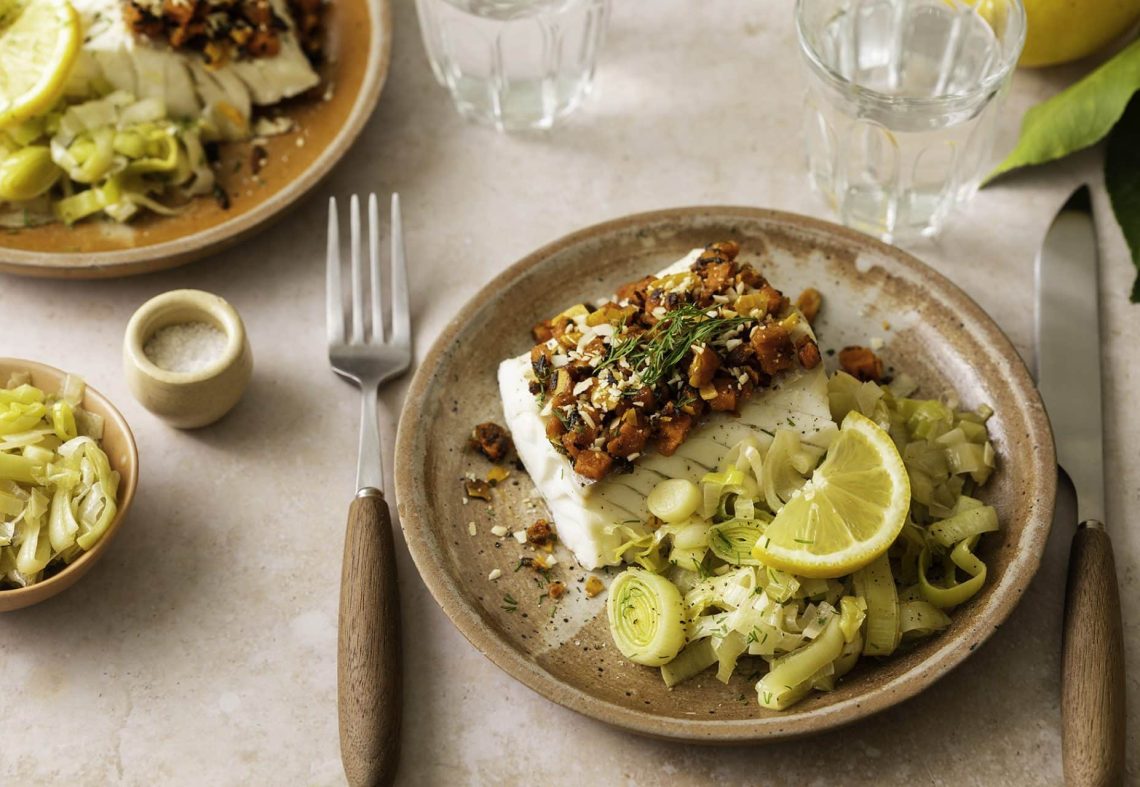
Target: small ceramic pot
pixel 187 400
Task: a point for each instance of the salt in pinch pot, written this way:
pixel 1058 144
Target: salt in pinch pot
pixel 188 399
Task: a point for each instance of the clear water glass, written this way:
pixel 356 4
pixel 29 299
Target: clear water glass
pixel 902 104
pixel 514 64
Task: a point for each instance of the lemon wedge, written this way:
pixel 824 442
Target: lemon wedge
pixel 39 41
pixel 848 513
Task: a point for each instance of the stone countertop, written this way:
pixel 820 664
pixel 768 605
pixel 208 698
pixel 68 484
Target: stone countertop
pixel 202 648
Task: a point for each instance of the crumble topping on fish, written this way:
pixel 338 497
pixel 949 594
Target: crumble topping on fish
pixel 238 56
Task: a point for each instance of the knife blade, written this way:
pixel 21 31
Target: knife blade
pixel 1068 349
pixel 1069 378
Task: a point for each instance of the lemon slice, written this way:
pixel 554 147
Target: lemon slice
pixel 39 41
pixel 848 513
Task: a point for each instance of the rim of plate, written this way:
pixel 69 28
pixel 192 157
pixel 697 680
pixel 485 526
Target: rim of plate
pixel 998 604
pixel 186 249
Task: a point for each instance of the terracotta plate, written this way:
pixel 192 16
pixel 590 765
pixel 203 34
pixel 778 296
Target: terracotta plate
pixel 359 46
pixel 931 329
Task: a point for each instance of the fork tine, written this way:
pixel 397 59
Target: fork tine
pixel 357 274
pixel 374 267
pixel 334 308
pixel 401 320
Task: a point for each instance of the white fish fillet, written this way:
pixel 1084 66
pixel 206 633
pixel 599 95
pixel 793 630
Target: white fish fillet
pixel 111 54
pixel 583 510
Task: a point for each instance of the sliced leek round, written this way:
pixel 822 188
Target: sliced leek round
pixel 732 541
pixel 647 617
pixel 674 500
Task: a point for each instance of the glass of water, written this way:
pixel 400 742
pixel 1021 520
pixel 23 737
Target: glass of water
pixel 514 64
pixel 902 104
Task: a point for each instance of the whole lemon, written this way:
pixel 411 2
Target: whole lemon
pixel 1062 30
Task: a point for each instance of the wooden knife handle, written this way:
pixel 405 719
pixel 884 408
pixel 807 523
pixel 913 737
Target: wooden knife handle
pixel 369 676
pixel 1092 665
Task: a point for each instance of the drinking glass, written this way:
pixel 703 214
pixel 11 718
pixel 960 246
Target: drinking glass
pixel 514 64
pixel 902 104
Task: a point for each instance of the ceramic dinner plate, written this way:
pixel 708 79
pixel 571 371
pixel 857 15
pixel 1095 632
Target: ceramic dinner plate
pixel 930 329
pixel 359 43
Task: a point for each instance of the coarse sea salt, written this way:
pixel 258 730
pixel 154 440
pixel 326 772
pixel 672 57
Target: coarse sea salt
pixel 185 347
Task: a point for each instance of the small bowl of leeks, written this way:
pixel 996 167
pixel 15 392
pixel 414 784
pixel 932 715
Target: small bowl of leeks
pixel 68 473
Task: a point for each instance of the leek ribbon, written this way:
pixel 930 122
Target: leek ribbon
pixel 953 592
pixel 876 586
pixel 790 678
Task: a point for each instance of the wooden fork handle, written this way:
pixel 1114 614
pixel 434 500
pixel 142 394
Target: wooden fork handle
pixel 369 676
pixel 1092 665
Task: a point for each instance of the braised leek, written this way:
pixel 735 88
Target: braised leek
pixel 647 618
pixel 701 598
pixel 58 493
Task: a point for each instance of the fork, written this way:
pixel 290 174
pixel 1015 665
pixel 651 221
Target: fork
pixel 369 675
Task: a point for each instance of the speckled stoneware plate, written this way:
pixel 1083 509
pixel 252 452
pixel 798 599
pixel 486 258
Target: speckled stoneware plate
pixel 359 45
pixel 930 329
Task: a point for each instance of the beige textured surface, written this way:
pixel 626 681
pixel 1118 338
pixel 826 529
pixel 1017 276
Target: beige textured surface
pixel 201 650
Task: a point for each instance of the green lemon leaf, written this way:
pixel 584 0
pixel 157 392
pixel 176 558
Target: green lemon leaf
pixel 1122 180
pixel 1079 116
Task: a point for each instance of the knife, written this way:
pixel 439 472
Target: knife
pixel 1069 377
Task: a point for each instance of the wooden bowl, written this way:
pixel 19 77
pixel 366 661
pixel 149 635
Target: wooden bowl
pixel 359 45
pixel 118 443
pixel 932 330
